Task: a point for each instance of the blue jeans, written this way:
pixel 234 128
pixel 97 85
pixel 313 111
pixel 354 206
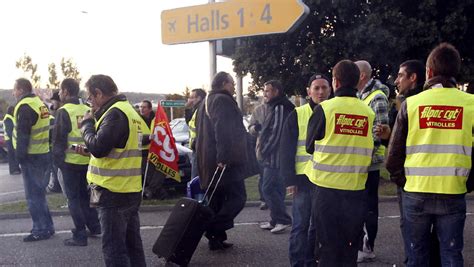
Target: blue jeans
pixel 447 213
pixel 303 232
pixel 194 165
pixel 35 180
pixel 274 194
pixel 120 223
pixel 75 187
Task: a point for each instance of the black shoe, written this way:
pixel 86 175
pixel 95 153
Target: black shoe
pixel 75 242
pixel 263 206
pixel 227 245
pixel 34 237
pixel 95 233
pixel 215 245
pixel 15 172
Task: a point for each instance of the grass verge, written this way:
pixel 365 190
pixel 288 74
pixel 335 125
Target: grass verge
pixel 59 202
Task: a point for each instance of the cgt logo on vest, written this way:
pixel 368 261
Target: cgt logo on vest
pixel 440 117
pixel 350 124
pixel 44 112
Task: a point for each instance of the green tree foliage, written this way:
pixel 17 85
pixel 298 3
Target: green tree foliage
pixel 53 81
pixel 69 69
pixel 385 33
pixel 25 63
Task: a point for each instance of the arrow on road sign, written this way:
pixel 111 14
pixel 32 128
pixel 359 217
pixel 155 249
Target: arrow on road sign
pixel 230 20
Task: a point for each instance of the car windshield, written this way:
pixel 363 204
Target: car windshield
pixel 180 127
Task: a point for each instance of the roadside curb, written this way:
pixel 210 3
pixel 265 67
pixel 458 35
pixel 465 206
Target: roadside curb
pixel 168 207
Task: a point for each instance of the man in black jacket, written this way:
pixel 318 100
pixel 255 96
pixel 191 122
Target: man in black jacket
pixel 8 125
pixel 420 165
pixel 73 166
pixel 31 143
pixel 292 163
pixel 115 170
pixel 268 152
pixel 221 143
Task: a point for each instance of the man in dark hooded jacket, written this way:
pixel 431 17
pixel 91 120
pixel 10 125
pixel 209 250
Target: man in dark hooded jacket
pixel 268 152
pixel 221 142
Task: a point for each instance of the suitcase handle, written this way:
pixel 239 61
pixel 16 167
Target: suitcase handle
pixel 215 187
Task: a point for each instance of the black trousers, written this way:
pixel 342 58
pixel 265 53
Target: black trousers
pixel 338 216
pixel 13 165
pixel 372 215
pixel 227 202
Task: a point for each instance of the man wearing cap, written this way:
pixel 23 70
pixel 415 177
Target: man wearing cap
pixel 293 161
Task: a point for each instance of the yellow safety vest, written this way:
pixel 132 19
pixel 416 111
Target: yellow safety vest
pixel 303 113
pixel 192 128
pixel 381 149
pixel 39 136
pixel 439 141
pixel 342 158
pixel 76 113
pixel 7 117
pixel 120 171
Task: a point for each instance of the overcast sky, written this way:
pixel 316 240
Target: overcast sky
pixel 118 38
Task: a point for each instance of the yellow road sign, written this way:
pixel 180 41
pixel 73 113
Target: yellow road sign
pixel 230 19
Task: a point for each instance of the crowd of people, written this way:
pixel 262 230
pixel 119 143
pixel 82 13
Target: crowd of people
pixel 326 153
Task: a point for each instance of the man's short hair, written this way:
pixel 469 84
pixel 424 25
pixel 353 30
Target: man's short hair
pixel 347 73
pixel 148 103
pixel 276 85
pixel 318 76
pixel 219 79
pixel 444 60
pixel 364 67
pixel 102 82
pixel 24 85
pixel 199 92
pixel 71 86
pixel 417 67
pixel 470 88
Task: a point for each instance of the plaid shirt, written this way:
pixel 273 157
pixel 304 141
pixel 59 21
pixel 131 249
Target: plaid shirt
pixel 379 105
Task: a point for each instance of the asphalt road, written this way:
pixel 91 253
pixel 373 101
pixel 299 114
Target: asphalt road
pixel 253 246
pixel 11 186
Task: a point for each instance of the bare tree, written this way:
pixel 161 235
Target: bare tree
pixel 25 63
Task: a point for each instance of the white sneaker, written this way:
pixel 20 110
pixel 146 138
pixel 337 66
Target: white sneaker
pixel 365 256
pixel 279 228
pixel 266 226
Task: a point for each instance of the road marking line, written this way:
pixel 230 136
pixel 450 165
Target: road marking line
pixel 151 227
pixel 12 192
pixel 145 227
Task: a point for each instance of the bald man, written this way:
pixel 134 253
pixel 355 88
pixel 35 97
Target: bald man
pixel 375 94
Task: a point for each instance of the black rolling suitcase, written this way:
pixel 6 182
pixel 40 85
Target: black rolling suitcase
pixel 184 228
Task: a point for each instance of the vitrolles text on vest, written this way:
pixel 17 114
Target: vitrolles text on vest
pixel 440 117
pixel 350 124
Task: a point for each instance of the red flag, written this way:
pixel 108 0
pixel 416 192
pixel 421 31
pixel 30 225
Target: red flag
pixel 163 152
